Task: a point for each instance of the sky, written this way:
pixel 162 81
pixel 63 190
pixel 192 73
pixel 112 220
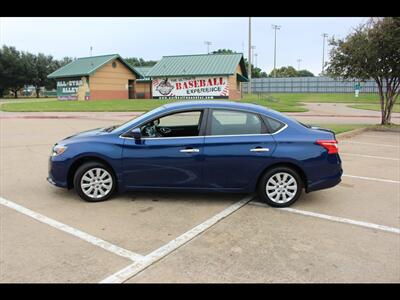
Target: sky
pixel 150 38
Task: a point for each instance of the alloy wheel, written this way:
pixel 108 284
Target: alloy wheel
pixel 281 187
pixel 96 183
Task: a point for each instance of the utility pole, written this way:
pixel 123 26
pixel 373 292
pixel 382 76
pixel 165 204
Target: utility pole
pixel 298 64
pixel 255 55
pixel 275 27
pixel 324 35
pixel 208 43
pixel 249 58
pixel 91 48
pixel 252 51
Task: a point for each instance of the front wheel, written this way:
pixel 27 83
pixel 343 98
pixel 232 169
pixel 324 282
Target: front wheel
pixel 280 187
pixel 94 182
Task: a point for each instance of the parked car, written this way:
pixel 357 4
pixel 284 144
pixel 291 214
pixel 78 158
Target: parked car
pixel 200 146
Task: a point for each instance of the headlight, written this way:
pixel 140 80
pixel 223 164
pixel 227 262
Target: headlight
pixel 58 149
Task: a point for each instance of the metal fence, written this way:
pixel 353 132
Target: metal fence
pixel 308 85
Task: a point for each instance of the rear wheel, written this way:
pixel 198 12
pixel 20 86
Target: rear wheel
pixel 93 181
pixel 280 187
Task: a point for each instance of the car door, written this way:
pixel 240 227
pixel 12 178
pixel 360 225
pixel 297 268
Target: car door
pixel 172 160
pixel 237 147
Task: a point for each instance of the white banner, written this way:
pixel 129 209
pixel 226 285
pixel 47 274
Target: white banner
pixel 191 88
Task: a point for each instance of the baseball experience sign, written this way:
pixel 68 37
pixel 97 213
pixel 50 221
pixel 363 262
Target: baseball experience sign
pixel 191 88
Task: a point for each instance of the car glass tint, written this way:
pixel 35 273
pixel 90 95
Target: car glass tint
pixel 174 125
pixel 275 125
pixel 225 122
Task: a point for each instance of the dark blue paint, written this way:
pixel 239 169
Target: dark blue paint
pixel 223 163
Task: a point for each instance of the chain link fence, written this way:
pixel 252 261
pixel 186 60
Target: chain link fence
pixel 308 85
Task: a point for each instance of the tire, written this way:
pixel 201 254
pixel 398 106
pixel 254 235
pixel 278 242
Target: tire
pixel 288 184
pixel 87 180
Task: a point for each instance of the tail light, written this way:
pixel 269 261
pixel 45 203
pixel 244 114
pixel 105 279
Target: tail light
pixel 330 145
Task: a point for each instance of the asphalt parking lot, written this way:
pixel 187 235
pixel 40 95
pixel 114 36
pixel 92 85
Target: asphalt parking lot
pixel 350 233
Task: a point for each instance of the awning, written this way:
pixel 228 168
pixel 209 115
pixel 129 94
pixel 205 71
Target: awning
pixel 241 78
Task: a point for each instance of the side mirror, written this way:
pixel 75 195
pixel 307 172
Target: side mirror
pixel 137 134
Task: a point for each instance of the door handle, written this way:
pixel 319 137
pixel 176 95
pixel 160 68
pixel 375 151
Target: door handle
pixel 191 150
pixel 259 150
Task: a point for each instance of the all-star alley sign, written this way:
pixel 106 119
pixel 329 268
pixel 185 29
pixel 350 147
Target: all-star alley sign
pixel 68 89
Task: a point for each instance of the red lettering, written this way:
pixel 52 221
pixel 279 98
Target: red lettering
pixel 202 82
pixel 178 86
pixel 185 85
pixel 220 81
pixel 210 81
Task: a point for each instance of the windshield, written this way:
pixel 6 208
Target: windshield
pixel 128 124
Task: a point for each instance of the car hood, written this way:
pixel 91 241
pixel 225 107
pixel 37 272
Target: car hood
pixel 87 133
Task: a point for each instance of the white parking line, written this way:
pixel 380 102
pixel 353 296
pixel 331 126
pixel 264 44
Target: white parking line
pixel 369 156
pixel 75 232
pixel 335 219
pixel 371 178
pixel 135 268
pixel 372 144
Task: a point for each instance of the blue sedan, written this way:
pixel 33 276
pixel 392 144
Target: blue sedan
pixel 217 146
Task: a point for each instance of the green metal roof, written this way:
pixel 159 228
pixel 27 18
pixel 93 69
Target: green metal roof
pixel 198 65
pixel 143 70
pixel 87 66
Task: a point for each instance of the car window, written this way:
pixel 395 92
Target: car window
pixel 191 118
pixel 227 122
pixel 275 125
pixel 174 125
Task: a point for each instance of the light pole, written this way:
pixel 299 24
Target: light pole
pixel 255 55
pixel 298 64
pixel 249 91
pixel 208 43
pixel 275 28
pixel 324 35
pixel 91 48
pixel 252 51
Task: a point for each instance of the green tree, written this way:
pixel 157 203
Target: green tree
pixel 140 62
pixel 304 73
pixel 43 66
pixel 284 72
pixel 13 68
pixel 371 51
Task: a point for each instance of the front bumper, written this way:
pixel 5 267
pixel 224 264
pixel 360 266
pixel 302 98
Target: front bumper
pixel 57 174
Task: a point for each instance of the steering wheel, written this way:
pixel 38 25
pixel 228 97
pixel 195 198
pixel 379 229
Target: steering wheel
pixel 150 130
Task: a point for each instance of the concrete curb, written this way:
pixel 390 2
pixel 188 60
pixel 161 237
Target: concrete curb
pixel 352 133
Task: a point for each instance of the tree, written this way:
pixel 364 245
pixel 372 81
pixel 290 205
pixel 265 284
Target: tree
pixel 285 72
pixel 43 66
pixel 304 73
pixel 140 62
pixel 14 69
pixel 371 51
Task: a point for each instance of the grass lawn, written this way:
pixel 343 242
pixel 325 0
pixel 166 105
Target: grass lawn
pixel 396 107
pixel 280 102
pixel 340 128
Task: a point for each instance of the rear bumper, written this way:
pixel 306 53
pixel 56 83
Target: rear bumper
pixel 325 183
